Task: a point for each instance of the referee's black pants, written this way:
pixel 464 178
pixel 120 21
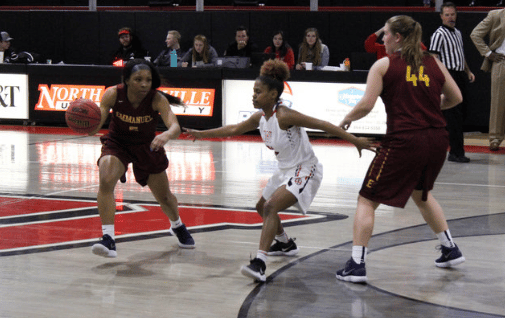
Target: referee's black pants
pixel 456 115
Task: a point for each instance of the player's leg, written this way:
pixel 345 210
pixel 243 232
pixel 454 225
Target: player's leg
pixel 434 216
pixel 110 170
pixel 283 245
pixel 354 270
pixel 160 188
pixel 280 200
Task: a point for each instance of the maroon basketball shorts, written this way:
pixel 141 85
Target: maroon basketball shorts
pixel 144 161
pixel 405 162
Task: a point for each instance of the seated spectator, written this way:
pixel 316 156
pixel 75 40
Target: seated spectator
pixel 9 53
pixel 130 48
pixel 312 50
pixel 200 54
pixel 371 45
pixel 172 40
pixel 282 49
pixel 242 46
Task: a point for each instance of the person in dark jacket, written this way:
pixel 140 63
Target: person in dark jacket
pixel 9 53
pixel 242 46
pixel 130 48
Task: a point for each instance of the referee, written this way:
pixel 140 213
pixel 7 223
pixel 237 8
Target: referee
pixel 447 43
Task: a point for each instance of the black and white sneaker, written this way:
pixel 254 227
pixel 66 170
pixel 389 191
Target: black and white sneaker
pixel 451 256
pixel 283 249
pixel 255 270
pixel 352 272
pixel 106 247
pixel 185 239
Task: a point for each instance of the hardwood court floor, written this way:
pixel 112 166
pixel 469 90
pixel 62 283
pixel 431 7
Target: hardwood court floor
pixel 48 221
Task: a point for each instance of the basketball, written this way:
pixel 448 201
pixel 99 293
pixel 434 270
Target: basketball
pixel 83 115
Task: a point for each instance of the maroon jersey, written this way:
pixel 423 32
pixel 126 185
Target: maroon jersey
pixel 133 126
pixel 412 97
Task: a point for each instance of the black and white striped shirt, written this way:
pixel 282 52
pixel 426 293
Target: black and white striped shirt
pixel 448 44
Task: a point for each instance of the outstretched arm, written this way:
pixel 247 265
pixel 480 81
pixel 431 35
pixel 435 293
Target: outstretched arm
pixel 289 117
pixel 230 130
pixel 374 86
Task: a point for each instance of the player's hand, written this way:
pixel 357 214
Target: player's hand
pixel 159 142
pixel 366 143
pixel 345 124
pixel 196 134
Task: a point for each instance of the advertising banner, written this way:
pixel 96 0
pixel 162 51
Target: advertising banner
pixel 57 97
pixel 326 101
pixel 13 96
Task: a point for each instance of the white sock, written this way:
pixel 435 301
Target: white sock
pixel 445 238
pixel 359 254
pixel 262 255
pixel 108 229
pixel 284 238
pixel 176 224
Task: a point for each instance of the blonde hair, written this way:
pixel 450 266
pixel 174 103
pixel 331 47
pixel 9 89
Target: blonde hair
pixel 411 32
pixel 316 50
pixel 175 34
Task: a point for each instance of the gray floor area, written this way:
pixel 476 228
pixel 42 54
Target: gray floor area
pixel 152 277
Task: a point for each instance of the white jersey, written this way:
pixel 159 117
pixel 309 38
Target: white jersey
pixel 292 146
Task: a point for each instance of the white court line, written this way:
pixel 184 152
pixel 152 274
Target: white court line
pixel 472 185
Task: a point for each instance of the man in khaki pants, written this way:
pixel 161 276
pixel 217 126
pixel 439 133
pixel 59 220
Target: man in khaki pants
pixel 494 52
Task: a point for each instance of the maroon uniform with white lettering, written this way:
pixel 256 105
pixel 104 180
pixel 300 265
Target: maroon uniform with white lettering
pixel 414 148
pixel 131 131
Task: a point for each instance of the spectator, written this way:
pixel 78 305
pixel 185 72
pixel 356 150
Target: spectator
pixel 200 54
pixel 372 46
pixel 9 53
pixel 130 48
pixel 491 29
pixel 172 40
pixel 282 49
pixel 447 43
pixel 242 46
pixel 312 50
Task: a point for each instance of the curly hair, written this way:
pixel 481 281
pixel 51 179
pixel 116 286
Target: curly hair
pixel 274 73
pixel 276 69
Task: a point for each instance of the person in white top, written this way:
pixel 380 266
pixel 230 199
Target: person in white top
pixel 299 172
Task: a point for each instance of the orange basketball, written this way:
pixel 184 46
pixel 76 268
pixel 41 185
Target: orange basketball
pixel 83 115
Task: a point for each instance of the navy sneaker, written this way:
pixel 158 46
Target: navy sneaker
pixel 352 272
pixel 255 270
pixel 185 239
pixel 106 247
pixel 283 249
pixel 451 256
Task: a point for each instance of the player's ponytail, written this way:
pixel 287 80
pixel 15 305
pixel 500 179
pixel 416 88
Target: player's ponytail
pixel 411 32
pixel 172 99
